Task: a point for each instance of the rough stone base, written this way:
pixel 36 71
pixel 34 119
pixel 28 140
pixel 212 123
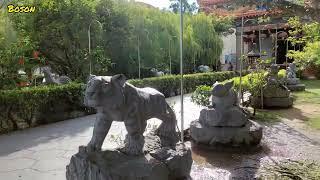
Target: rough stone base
pixel 275 102
pixel 284 102
pixel 248 135
pixel 292 81
pixel 297 87
pixel 158 163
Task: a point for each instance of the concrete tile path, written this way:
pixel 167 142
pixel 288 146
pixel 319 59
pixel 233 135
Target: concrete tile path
pixel 42 153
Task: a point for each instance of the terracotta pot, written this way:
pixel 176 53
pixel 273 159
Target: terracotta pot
pixel 23 84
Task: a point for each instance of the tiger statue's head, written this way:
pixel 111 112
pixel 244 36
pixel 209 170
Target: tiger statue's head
pixel 105 91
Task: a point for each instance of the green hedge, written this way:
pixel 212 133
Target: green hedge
pixel 32 106
pixel 170 85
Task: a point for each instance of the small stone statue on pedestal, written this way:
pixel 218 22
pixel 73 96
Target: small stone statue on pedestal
pixel 275 94
pixel 156 156
pixel 225 123
pixel 292 82
pixel 50 78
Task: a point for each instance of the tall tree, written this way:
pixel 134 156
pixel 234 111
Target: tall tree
pixel 187 7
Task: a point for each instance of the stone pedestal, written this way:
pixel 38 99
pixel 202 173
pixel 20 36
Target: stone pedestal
pixel 272 102
pixel 297 87
pixel 294 84
pixel 158 163
pixel 248 135
pixel 274 95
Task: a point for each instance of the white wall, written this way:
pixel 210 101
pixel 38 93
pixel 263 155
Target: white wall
pixel 229 46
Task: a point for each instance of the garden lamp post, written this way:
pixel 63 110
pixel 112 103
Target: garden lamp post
pixel 139 57
pixel 181 70
pixel 139 60
pixel 89 45
pixel 170 61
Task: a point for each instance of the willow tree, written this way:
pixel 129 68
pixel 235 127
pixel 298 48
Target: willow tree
pixel 209 40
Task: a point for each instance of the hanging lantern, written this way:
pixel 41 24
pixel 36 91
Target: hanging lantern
pixel 252 37
pixel 282 35
pixel 231 31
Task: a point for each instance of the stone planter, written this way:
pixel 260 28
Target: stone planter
pixel 272 102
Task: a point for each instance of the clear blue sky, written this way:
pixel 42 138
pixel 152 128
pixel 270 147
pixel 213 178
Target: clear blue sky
pixel 160 3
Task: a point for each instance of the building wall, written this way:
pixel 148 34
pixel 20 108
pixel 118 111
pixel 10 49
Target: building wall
pixel 229 46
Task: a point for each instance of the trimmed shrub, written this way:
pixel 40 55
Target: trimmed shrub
pixel 282 73
pixel 170 85
pixel 201 95
pixel 32 106
pixel 251 82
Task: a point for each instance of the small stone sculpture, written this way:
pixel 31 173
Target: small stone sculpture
pixel 291 71
pixel 275 93
pixel 292 82
pixel 156 73
pixel 225 123
pixel 50 78
pixel 154 156
pixel 204 69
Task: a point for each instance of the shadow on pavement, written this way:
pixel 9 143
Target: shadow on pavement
pixel 19 140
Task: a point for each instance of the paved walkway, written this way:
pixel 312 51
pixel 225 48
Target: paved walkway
pixel 42 153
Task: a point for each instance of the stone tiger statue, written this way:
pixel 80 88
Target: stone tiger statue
pixel 116 100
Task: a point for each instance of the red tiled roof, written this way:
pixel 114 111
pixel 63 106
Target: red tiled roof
pixel 206 6
pixel 211 2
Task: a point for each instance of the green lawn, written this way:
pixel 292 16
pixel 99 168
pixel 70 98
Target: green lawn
pixel 314 122
pixel 312 93
pixel 268 116
pixel 311 97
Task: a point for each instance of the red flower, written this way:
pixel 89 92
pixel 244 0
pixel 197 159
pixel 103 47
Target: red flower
pixel 36 54
pixel 21 61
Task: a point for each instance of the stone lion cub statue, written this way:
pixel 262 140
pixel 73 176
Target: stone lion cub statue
pixel 116 100
pixel 224 110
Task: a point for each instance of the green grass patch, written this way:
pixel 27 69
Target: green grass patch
pixel 292 170
pixel 311 95
pixel 267 116
pixel 314 122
